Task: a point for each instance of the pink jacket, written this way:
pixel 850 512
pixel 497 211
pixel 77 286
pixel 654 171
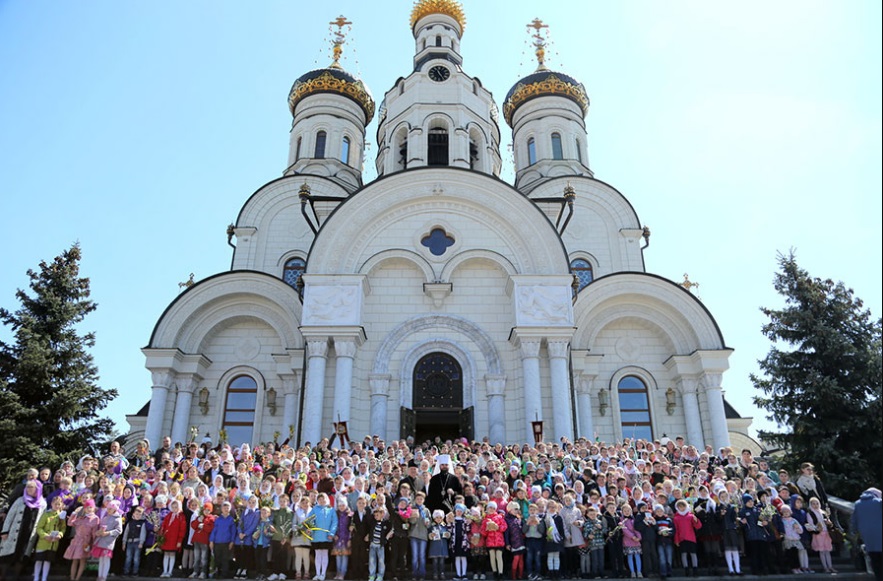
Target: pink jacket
pixel 630 537
pixel 494 539
pixel 686 527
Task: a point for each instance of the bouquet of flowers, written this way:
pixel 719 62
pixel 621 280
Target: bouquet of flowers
pixel 615 530
pixel 307 528
pixel 767 513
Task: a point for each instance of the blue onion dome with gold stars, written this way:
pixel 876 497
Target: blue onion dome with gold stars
pixel 543 81
pixel 450 8
pixel 333 79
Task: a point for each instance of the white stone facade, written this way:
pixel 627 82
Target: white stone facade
pixel 437 285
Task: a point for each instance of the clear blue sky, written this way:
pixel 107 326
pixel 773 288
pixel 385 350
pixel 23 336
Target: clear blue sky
pixel 737 130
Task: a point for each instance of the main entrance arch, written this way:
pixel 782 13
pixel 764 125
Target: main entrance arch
pixel 437 401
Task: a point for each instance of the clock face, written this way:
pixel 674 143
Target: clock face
pixel 439 73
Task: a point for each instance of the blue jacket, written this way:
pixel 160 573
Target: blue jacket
pixel 867 519
pixel 326 521
pixel 224 531
pixel 754 530
pixel 248 524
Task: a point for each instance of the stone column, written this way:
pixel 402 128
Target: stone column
pixel 496 408
pixel 379 401
pixel 180 424
pixel 560 390
pixel 345 350
pixel 691 412
pixel 289 406
pixel 533 403
pixel 584 405
pixel 717 415
pixel 155 415
pixel 311 426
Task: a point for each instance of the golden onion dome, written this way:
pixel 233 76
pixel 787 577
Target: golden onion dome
pixel 447 7
pixel 332 80
pixel 544 83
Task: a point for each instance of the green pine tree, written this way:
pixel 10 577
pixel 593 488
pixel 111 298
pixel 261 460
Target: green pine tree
pixel 822 380
pixel 49 390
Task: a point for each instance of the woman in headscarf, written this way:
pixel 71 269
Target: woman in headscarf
pixel 19 533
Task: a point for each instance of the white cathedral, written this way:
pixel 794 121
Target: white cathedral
pixel 437 300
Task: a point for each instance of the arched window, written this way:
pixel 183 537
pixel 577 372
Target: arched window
pixel 297 149
pixel 557 151
pixel 579 151
pixel 582 270
pixel 438 146
pixel 473 154
pixel 531 151
pixel 438 40
pixel 634 408
pixel 239 409
pixel 320 145
pixel 294 269
pixel 345 150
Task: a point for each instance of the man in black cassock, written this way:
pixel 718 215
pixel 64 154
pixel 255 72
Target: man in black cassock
pixel 443 487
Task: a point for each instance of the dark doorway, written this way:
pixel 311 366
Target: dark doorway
pixel 437 405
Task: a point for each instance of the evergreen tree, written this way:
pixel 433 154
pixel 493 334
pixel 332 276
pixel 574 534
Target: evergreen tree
pixel 49 390
pixel 822 380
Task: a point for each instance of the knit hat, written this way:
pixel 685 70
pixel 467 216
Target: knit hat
pixel 747 498
pixel 460 507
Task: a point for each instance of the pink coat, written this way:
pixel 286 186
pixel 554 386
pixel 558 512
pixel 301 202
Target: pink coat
pixel 686 527
pixel 630 537
pixel 494 539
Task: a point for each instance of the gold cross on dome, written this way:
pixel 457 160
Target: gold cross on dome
pixel 339 38
pixel 539 42
pixel 340 22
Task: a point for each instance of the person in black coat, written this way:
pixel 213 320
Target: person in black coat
pixel 443 487
pixel 361 524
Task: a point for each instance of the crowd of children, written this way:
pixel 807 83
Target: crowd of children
pixel 571 510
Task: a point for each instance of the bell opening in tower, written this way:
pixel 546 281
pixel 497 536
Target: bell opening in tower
pixel 438 146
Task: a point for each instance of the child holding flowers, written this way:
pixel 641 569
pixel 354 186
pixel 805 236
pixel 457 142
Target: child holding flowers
pixel 439 534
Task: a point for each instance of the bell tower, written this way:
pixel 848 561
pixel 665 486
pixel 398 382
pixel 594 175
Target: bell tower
pixel 438 115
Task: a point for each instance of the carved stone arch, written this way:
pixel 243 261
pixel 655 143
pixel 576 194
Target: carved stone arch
pixel 203 330
pixel 635 370
pixel 457 260
pixel 286 256
pixel 452 348
pixel 673 331
pixel 437 116
pixel 191 316
pixel 399 254
pixel 475 128
pixel 429 322
pixel 678 313
pixel 587 256
pixel 521 232
pixel 271 198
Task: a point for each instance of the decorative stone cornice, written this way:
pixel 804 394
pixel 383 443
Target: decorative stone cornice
pixel 317 347
pixel 379 383
pixel 496 385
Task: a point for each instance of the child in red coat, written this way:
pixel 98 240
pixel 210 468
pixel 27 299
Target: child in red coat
pixel 492 528
pixel 202 527
pixel 686 525
pixel 173 528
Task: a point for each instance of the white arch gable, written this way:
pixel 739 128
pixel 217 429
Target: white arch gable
pixel 661 302
pixel 592 196
pixel 452 348
pixel 454 263
pixel 529 238
pixel 400 254
pixel 191 317
pixel 423 322
pixel 268 200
